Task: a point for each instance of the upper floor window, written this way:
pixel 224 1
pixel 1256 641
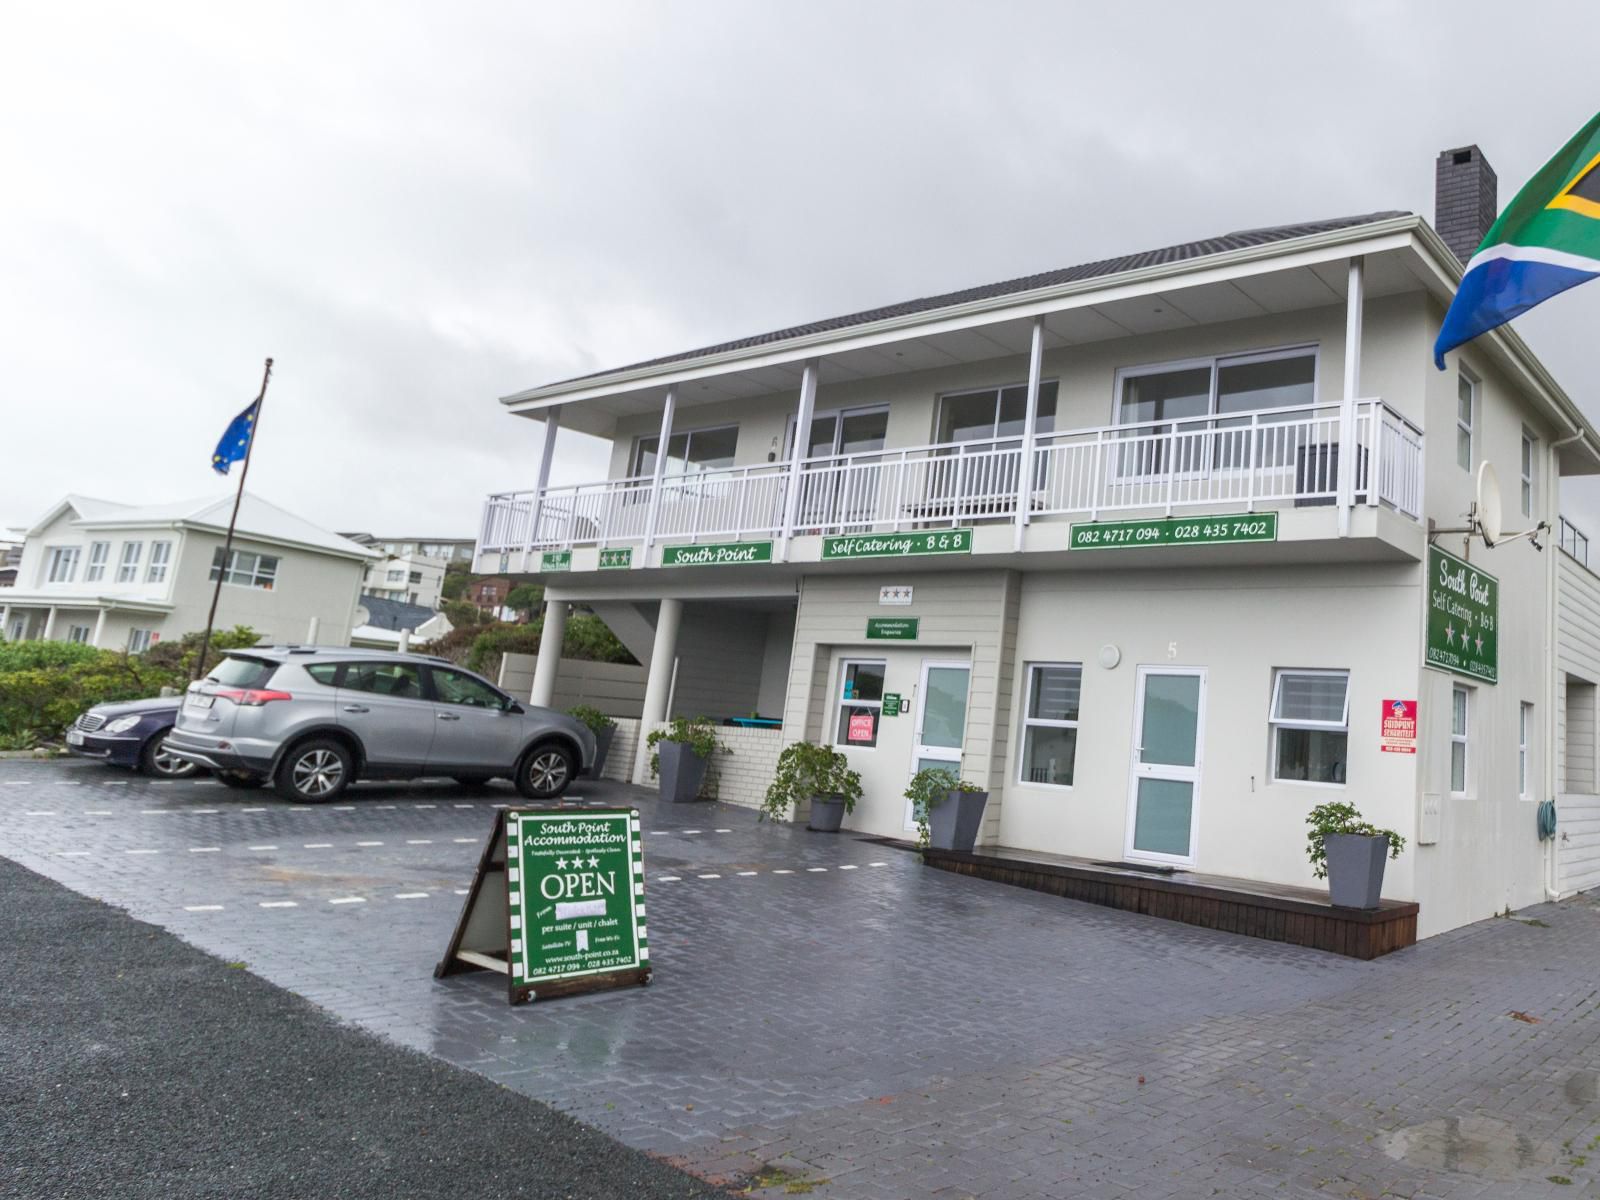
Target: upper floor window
pixel 99 555
pixel 844 431
pixel 398 575
pixel 415 577
pixel 160 559
pixel 1310 726
pixel 1466 410
pixel 128 568
pixel 247 569
pixel 994 413
pixel 63 564
pixel 688 453
pixel 1529 458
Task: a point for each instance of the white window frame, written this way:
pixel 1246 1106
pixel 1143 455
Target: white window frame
pixel 1028 719
pixel 1275 722
pixel 128 564
pixel 139 640
pixel 838 414
pixel 160 560
pixel 1524 725
pixel 839 701
pixel 62 566
pixel 1467 426
pixel 233 576
pixel 998 391
pixel 688 435
pixel 79 635
pixel 99 559
pixel 1462 739
pixel 1528 468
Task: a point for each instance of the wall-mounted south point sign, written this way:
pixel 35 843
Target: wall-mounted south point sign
pixel 557 904
pixel 1463 617
pixel 716 554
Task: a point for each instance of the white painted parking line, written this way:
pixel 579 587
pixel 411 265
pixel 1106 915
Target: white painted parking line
pixel 348 900
pixel 461 891
pixel 40 812
pixel 319 846
pixel 207 783
pixel 154 812
pixel 278 904
pixel 343 808
pixel 424 806
pixel 467 840
pixel 97 812
pixel 205 812
pixel 783 871
pixel 419 841
pixel 847 866
pixel 202 908
pixel 499 806
pixel 204 849
pixel 369 843
pixel 141 852
pixel 262 847
pixel 708 877
pixel 880 864
pixel 383 806
pixel 722 831
pixel 814 870
pixel 74 853
pixel 72 783
pixel 115 782
pixel 668 878
pixel 16 783
pixel 461 806
pixel 411 895
pixel 749 872
pixel 688 831
pixel 252 810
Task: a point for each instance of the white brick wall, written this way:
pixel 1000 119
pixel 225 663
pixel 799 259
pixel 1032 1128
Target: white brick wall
pixel 741 769
pixel 619 761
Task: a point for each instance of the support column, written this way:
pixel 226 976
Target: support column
pixel 313 628
pixel 658 683
pixel 797 453
pixel 663 442
pixel 551 637
pixel 49 623
pixel 99 629
pixel 1030 424
pixel 5 622
pixel 552 426
pixel 1349 452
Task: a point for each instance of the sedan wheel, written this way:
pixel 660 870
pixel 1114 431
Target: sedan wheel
pixel 157 760
pixel 545 772
pixel 314 772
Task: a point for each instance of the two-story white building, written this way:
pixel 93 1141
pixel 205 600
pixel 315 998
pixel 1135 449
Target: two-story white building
pixel 1155 549
pixel 122 576
pixel 407 579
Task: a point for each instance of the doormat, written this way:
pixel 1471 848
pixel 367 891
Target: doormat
pixel 1141 868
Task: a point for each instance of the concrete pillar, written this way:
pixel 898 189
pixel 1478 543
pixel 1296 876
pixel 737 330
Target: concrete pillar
pixel 49 623
pixel 99 629
pixel 5 622
pixel 405 641
pixel 550 639
pixel 314 628
pixel 658 683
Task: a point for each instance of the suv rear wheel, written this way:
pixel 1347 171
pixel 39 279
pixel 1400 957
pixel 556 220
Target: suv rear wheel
pixel 545 771
pixel 314 771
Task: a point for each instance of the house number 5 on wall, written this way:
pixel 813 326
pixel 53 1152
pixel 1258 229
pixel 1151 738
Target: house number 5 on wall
pixel 1172 649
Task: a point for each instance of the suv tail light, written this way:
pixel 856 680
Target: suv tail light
pixel 252 697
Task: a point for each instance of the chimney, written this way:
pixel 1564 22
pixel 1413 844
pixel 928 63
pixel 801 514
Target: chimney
pixel 1463 199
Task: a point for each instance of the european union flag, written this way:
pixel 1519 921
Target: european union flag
pixel 235 443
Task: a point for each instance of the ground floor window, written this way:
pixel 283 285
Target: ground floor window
pixel 78 634
pixel 1524 728
pixel 1310 722
pixel 139 640
pixel 1050 723
pixel 1460 716
pixel 860 702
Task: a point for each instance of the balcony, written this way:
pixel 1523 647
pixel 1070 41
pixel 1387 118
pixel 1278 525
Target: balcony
pixel 1270 458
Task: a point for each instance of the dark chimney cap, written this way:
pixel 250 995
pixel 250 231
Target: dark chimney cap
pixel 1464 198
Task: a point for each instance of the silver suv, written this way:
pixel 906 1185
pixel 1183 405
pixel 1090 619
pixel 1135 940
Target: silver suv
pixel 313 719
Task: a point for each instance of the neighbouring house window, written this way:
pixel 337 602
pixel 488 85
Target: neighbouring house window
pixel 63 564
pixel 1310 721
pixel 414 577
pixel 1050 723
pixel 1524 728
pixel 1460 700
pixel 139 640
pixel 688 453
pixel 860 703
pixel 397 576
pixel 1529 444
pixel 99 555
pixel 128 568
pixel 160 558
pixel 78 634
pixel 1466 407
pixel 247 569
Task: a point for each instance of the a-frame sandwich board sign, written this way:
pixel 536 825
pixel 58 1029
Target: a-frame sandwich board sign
pixel 557 904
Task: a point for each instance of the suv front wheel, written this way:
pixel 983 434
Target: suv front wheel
pixel 314 772
pixel 545 771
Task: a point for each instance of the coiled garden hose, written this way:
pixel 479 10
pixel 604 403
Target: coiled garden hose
pixel 1547 819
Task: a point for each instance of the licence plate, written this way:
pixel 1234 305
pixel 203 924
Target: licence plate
pixel 199 700
pixel 74 738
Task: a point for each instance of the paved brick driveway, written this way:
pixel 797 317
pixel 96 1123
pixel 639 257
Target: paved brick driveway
pixel 828 1006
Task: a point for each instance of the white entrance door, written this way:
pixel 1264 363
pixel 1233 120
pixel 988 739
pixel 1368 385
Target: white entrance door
pixel 941 718
pixel 1169 712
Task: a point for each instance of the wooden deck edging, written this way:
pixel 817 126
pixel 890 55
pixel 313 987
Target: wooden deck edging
pixel 1279 914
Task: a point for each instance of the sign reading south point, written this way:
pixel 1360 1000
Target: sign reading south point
pixel 716 554
pixel 1463 618
pixel 1175 531
pixel 898 545
pixel 892 629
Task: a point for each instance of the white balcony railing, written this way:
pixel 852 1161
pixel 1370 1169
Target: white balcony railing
pixel 1264 458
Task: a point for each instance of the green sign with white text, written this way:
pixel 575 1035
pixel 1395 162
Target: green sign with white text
pixel 616 560
pixel 891 704
pixel 575 893
pixel 1175 531
pixel 898 545
pixel 1463 617
pixel 716 554
pixel 892 629
pixel 555 560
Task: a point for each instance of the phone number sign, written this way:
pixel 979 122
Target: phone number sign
pixel 1175 531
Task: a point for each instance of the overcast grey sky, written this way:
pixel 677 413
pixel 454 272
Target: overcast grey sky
pixel 418 208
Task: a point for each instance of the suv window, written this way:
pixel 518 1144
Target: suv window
pixel 324 673
pixel 455 687
pixel 401 680
pixel 242 672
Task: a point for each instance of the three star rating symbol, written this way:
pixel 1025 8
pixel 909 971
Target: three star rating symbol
pixel 1466 638
pixel 562 864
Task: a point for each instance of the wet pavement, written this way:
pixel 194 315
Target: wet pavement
pixel 826 1010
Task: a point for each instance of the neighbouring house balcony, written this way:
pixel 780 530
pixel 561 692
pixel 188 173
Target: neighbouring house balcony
pixel 1254 461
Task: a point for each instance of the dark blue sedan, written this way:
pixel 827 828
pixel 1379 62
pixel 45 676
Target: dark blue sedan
pixel 131 734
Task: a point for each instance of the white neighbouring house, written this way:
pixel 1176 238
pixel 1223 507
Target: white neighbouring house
pixel 1153 549
pixel 407 579
pixel 121 576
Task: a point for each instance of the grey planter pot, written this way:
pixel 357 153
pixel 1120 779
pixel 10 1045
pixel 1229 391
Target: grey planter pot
pixel 682 772
pixel 602 747
pixel 953 824
pixel 1355 868
pixel 827 814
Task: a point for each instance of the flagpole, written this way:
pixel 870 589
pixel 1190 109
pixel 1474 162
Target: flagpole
pixel 227 542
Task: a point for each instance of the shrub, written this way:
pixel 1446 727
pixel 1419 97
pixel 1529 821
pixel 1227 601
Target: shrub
pixel 695 732
pixel 806 770
pixel 929 788
pixel 1339 817
pixel 592 717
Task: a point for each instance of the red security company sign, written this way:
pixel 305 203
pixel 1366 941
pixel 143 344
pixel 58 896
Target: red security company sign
pixel 1399 734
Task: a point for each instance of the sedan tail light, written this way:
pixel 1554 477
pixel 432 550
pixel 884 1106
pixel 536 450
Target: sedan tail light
pixel 252 697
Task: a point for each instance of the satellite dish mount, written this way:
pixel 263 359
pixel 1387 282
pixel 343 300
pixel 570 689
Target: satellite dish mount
pixel 1485 517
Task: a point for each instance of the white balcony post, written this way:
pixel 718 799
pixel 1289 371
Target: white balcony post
pixel 653 509
pixel 551 637
pixel 49 623
pixel 1030 423
pixel 552 426
pixel 5 622
pixel 99 628
pixel 797 455
pixel 1348 450
pixel 658 682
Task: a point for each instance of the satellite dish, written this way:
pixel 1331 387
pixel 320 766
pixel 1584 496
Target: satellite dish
pixel 1488 503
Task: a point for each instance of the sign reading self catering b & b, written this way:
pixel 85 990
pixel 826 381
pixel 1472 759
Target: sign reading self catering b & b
pixel 1463 617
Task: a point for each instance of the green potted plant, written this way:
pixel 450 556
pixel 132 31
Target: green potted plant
pixel 1349 852
pixel 819 774
pixel 679 756
pixel 948 810
pixel 603 728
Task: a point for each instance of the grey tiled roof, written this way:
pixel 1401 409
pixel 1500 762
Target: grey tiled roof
pixel 1238 240
pixel 394 614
